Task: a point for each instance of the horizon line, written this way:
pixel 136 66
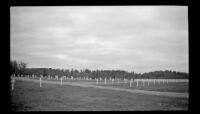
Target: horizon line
pixel 110 70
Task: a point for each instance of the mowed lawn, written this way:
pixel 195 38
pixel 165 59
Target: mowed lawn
pixel 180 87
pixel 28 96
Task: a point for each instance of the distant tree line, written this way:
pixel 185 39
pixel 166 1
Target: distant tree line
pixel 20 69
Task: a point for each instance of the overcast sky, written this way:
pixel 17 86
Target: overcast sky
pixel 131 38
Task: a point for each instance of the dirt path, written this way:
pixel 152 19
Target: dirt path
pixel 85 84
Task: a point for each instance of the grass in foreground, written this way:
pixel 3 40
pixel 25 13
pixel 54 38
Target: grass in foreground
pixel 27 96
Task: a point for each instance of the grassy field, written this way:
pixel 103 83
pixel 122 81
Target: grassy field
pixel 181 87
pixel 27 96
pixel 170 87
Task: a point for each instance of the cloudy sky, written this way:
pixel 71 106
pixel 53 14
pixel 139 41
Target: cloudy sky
pixel 131 38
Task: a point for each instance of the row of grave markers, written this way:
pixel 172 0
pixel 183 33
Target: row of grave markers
pixel 98 80
pixel 113 80
pixel 126 81
pixel 56 77
pixel 61 79
pixel 143 81
pixel 87 78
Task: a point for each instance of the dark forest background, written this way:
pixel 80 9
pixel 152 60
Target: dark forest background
pixel 21 69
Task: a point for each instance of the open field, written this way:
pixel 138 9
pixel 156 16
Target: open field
pixel 180 87
pixel 50 97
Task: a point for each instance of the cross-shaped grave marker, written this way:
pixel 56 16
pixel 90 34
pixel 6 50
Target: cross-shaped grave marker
pixel 97 81
pixel 56 77
pixel 112 81
pixel 61 81
pixel 131 81
pixel 13 83
pixel 143 82
pixel 40 82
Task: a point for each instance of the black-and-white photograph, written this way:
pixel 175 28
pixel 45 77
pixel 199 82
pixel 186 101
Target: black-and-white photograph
pixel 99 58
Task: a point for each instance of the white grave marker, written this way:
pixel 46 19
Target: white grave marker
pixel 97 80
pixel 40 82
pixel 61 81
pixel 131 81
pixel 56 77
pixel 143 82
pixel 13 83
pixel 64 77
pixel 112 81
